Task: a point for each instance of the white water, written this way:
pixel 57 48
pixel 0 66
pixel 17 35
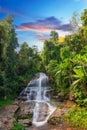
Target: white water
pixel 38 91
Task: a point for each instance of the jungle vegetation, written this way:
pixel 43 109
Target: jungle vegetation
pixel 64 62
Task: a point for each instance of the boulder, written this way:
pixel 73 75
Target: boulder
pixel 25 122
pixel 7 117
pixel 25 113
pixel 25 109
pixel 56 117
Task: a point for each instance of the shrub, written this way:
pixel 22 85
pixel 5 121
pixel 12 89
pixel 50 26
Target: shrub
pixel 77 117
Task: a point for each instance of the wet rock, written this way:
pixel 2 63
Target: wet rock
pixel 43 112
pixel 24 98
pixel 7 117
pixel 56 117
pixel 6 123
pixel 26 109
pixel 37 75
pixel 25 113
pixel 61 97
pixel 25 122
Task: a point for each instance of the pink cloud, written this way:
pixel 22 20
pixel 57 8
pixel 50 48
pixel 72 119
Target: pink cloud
pixel 47 24
pixel 34 28
pixel 40 34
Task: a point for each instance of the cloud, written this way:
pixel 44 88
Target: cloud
pixel 43 25
pixel 41 37
pixel 40 34
pixel 65 27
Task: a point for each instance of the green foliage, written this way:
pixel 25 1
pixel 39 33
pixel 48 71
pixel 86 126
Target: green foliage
pixel 51 68
pixel 5 102
pixel 66 63
pixel 54 36
pixel 74 42
pixel 47 52
pixel 16 68
pixel 84 17
pixel 64 53
pixel 79 79
pixel 77 117
pixel 28 116
pixel 18 126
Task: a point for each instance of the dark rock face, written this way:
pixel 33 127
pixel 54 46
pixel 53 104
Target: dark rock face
pixel 23 95
pixel 25 122
pixel 61 97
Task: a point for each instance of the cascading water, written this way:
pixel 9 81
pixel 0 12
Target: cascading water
pixel 38 92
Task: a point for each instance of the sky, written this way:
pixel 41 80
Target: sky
pixel 34 19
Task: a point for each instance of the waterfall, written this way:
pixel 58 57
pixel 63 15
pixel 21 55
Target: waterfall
pixel 38 92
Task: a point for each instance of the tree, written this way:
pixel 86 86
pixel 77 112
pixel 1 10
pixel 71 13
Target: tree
pixel 24 53
pixel 29 62
pixel 64 52
pixel 8 45
pixel 46 53
pixel 12 45
pixel 2 40
pixel 75 43
pixel 75 22
pixel 54 36
pixel 84 18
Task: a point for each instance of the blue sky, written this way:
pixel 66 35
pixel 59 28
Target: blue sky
pixel 36 18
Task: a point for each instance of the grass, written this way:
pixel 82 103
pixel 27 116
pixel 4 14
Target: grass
pixel 77 117
pixel 5 102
